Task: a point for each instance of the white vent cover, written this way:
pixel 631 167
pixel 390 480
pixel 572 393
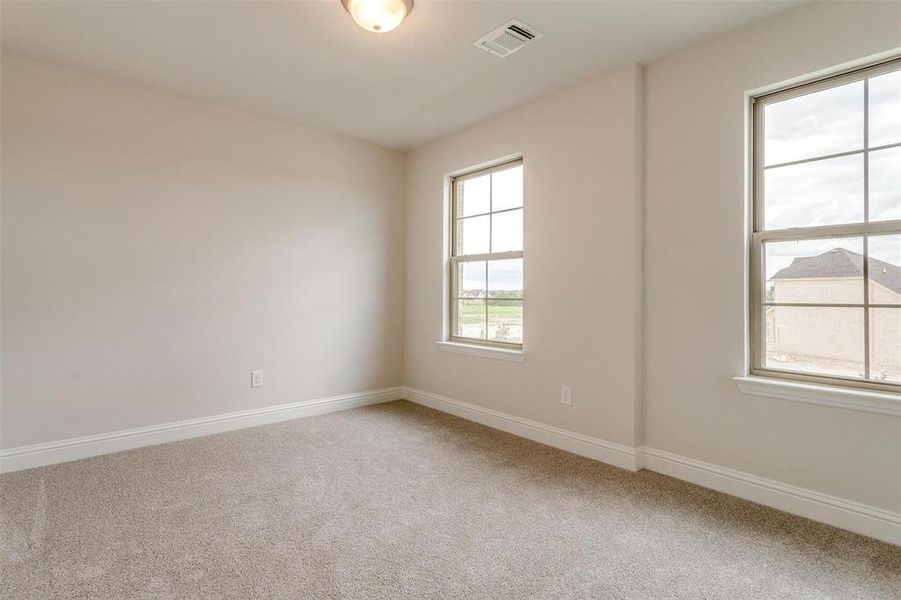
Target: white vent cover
pixel 508 38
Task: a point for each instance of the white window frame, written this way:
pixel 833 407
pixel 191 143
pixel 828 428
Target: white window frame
pixel 454 342
pixel 759 235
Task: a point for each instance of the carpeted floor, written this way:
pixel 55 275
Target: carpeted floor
pixel 399 501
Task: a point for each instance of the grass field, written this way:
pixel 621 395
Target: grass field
pixel 501 314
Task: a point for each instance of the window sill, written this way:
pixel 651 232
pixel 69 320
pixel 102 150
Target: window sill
pixel 483 351
pixel 864 400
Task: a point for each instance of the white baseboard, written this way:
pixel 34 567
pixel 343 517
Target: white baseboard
pixel 607 452
pixel 845 514
pixel 38 455
pixel 838 512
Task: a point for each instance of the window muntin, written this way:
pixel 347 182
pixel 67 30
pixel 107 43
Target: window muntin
pixel 826 243
pixel 486 256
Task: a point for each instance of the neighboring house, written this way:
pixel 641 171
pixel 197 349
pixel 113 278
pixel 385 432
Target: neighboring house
pixel 805 338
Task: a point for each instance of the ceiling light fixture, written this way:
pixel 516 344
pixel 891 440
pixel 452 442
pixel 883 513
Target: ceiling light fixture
pixel 378 16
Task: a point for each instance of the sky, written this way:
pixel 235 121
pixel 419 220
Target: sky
pixel 502 275
pixel 500 232
pixel 831 191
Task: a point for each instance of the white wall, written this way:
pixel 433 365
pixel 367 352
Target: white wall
pixel 581 260
pixel 156 249
pixel 583 251
pixel 694 257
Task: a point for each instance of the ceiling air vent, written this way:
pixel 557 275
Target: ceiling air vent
pixel 508 38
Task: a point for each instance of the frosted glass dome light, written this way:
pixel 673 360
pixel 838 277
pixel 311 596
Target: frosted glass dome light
pixel 378 16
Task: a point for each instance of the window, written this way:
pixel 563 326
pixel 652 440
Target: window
pixel 486 256
pixel 826 242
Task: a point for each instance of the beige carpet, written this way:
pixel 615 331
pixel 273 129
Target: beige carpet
pixel 399 501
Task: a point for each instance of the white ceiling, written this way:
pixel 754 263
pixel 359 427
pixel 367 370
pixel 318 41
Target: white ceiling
pixel 307 62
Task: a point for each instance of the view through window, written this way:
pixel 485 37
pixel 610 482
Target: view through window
pixel 487 256
pixel 826 247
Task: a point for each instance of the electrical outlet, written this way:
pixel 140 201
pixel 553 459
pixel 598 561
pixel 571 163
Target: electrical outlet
pixel 256 379
pixel 566 395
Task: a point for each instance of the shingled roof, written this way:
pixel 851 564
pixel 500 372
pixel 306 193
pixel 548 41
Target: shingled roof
pixel 840 262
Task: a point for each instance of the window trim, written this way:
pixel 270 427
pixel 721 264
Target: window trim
pixel 453 260
pixel 851 398
pixel 483 351
pixel 758 235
